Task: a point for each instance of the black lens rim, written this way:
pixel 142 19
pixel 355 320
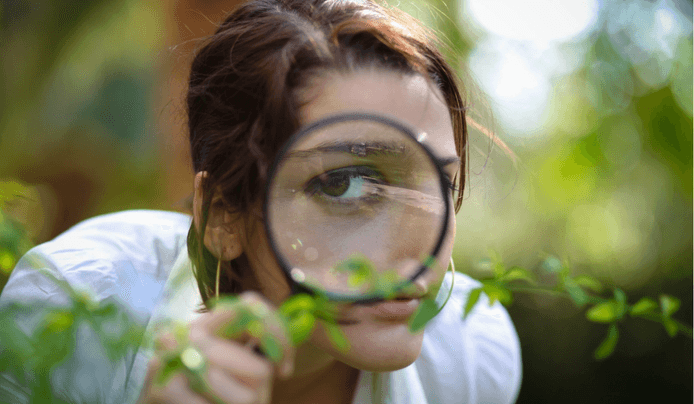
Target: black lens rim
pixel 330 120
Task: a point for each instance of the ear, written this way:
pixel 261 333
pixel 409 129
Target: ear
pixel 222 232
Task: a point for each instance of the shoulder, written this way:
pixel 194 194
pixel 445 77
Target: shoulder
pixel 126 254
pixel 480 353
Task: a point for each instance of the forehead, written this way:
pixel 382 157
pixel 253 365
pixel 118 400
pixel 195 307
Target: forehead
pixel 406 97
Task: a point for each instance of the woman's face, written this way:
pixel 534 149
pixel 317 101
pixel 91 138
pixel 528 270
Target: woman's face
pixel 379 342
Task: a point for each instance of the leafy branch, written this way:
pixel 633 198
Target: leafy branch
pixel 583 291
pixel 32 356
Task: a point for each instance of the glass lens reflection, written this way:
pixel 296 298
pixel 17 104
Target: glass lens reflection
pixel 355 192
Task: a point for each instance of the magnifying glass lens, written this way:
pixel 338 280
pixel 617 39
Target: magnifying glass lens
pixel 354 202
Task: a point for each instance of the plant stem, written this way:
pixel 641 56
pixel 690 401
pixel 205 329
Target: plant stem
pixel 552 292
pixel 658 318
pixel 682 327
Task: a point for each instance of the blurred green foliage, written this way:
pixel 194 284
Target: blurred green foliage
pixel 14 241
pixel 34 357
pixel 606 180
pixel 76 106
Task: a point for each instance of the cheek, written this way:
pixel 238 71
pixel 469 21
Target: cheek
pixel 435 275
pixel 269 275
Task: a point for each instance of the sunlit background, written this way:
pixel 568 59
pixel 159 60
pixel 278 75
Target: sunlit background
pixel 590 103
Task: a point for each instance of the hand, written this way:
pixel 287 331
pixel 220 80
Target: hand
pixel 233 373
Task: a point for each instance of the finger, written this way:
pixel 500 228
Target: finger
pixel 234 359
pixel 176 390
pixel 165 342
pixel 226 388
pixel 274 328
pixel 224 312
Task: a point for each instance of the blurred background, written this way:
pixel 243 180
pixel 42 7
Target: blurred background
pixel 590 102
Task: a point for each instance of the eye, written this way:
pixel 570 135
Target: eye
pixel 343 185
pixel 346 185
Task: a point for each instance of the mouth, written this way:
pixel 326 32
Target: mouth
pixel 397 309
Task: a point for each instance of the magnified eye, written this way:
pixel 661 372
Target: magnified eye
pixel 346 185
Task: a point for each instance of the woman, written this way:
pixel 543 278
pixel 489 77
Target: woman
pixel 272 67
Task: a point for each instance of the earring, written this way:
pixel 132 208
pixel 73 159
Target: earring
pixel 450 292
pixel 216 283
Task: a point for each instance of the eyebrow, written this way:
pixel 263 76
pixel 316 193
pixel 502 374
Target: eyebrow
pixel 364 149
pixel 359 149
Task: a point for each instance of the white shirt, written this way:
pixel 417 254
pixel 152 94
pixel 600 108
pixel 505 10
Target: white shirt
pixel 137 257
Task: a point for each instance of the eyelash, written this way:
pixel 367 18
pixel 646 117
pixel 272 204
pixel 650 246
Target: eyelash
pixel 313 185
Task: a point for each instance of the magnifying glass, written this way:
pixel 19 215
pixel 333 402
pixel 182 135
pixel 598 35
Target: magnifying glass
pixel 353 199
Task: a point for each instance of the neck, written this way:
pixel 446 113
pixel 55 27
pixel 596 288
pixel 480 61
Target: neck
pixel 318 378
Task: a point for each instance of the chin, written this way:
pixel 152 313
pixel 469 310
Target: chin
pixel 371 365
pixel 378 347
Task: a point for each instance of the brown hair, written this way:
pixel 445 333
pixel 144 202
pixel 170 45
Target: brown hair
pixel 243 104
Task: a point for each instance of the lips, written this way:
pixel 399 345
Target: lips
pixel 397 309
pixel 400 309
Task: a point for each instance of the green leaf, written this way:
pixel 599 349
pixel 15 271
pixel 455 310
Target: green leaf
pixel 59 321
pixel 239 325
pixel 620 296
pixel 7 261
pixel 643 306
pixel 171 365
pixel 297 303
pixel 472 299
pixel 670 327
pixel 496 264
pixel 256 328
pixel 336 336
pixel 361 270
pixel 552 264
pixel 565 270
pixel 621 299
pixel 589 283
pixel 669 305
pixel 387 284
pixel 325 309
pixel 425 312
pixel 108 311
pixel 271 347
pixel 485 265
pixel 495 293
pixel 577 294
pixel 430 262
pixel 359 278
pixel 499 270
pixel 607 346
pixel 517 273
pixel 494 256
pixel 603 312
pixel 355 264
pixel 300 327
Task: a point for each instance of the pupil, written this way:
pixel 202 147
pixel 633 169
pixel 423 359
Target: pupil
pixel 336 185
